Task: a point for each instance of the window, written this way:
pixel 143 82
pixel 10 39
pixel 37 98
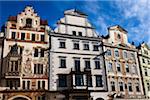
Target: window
pixel 99 82
pixel 95 47
pixel 36 52
pixel 127 68
pixel 148 86
pixel 134 69
pixel 121 86
pixel 62 63
pixel 143 60
pixel 119 37
pixel 13 35
pixel 21 50
pixel 29 22
pixel 80 33
pixel 76 46
pixel 43 84
pixel 38 69
pixel 13 66
pixel 145 52
pixel 86 46
pixel 89 78
pixel 42 52
pixel 43 97
pixel 79 80
pixel 62 80
pixel 116 53
pixel 125 54
pixel 26 85
pixel 118 67
pixel 109 52
pixel 39 85
pixel 74 33
pixel 132 56
pixel 77 64
pixel 112 85
pixel 33 37
pixel 23 85
pixel 145 70
pixel 42 38
pixel 137 87
pixel 130 87
pixel 62 44
pixel 110 66
pixel 87 64
pixel 22 36
pixel 97 64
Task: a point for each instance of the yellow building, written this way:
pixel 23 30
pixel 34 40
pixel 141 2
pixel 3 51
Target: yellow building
pixel 122 67
pixel 144 58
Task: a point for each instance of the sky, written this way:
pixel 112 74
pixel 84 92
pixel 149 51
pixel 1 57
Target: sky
pixel 132 15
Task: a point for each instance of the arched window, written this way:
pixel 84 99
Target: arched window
pixel 29 22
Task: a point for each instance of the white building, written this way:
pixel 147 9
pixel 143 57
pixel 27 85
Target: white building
pixel 76 70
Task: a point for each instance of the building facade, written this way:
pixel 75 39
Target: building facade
pixel 144 58
pixel 122 67
pixel 24 60
pixel 76 67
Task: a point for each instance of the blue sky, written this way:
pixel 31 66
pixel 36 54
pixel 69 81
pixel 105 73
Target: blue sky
pixel 133 15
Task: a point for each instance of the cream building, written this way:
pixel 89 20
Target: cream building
pixel 76 70
pixel 122 67
pixel 144 58
pixel 24 61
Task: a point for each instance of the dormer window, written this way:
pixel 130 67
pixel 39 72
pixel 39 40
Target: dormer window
pixel 29 22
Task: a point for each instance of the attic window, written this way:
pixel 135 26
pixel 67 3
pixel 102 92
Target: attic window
pixel 28 22
pixel 119 37
pixel 21 20
pixel 74 33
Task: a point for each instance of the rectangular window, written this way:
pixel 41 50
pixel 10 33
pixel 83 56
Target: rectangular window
pixel 87 64
pixel 143 60
pixel 146 74
pixel 33 37
pixel 125 54
pixel 22 36
pixel 86 46
pixel 97 64
pixel 113 86
pixel 79 80
pixel 23 85
pixel 109 52
pixel 89 79
pixel 80 33
pixel 99 81
pixel 13 35
pixel 77 65
pixel 118 67
pixel 74 33
pixel 116 53
pixel 127 68
pixel 28 84
pixel 39 85
pixel 148 86
pixel 130 87
pixel 132 56
pixel 62 80
pixel 76 46
pixel 36 52
pixel 137 87
pixel 42 52
pixel 62 44
pixel 38 69
pixel 16 65
pixel 95 48
pixel 110 66
pixel 42 38
pixel 121 86
pixel 62 63
pixel 43 84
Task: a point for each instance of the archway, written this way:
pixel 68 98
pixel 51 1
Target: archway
pixel 99 99
pixel 19 97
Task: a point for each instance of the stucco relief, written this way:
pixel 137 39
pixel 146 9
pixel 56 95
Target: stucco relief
pixel 27 60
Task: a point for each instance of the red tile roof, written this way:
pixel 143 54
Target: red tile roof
pixel 12 18
pixel 43 22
